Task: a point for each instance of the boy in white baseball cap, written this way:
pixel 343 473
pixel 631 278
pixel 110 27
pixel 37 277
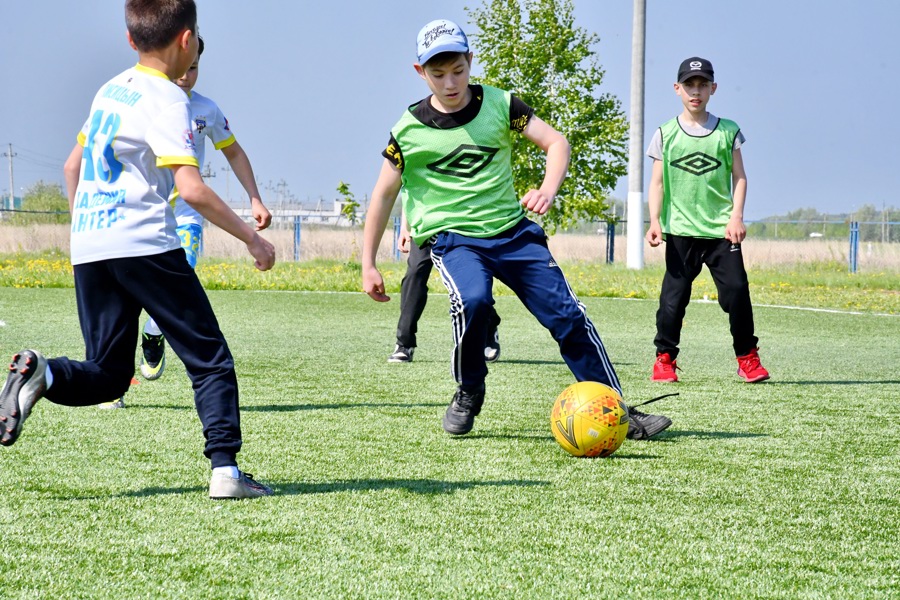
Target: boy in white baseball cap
pixel 449 155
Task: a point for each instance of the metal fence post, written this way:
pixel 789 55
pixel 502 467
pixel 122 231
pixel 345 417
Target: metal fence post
pixel 854 246
pixel 396 238
pixel 296 238
pixel 610 242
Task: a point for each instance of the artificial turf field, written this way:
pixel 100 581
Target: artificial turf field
pixel 789 488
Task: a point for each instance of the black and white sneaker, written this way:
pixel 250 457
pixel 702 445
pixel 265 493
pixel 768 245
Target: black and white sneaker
pixel 153 361
pixel 460 415
pixel 25 385
pixel 642 426
pixel 492 348
pixel 401 354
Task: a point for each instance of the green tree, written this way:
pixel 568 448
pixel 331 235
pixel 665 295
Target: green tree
pixel 348 203
pixel 533 49
pixel 49 203
pixel 348 209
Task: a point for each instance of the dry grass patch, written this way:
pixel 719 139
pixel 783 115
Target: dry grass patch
pixel 344 243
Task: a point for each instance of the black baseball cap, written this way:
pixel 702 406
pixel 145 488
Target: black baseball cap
pixel 695 67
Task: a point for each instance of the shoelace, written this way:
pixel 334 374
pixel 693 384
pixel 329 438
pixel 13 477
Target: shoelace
pixel 669 365
pixel 631 409
pixel 248 479
pixel 750 362
pixel 152 343
pixel 464 401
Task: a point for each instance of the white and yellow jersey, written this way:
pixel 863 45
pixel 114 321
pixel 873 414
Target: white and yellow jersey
pixel 207 121
pixel 139 125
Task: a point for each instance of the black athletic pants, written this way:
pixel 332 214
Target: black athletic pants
pixel 414 295
pixel 110 295
pixel 685 257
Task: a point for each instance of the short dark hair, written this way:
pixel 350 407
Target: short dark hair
pixel 153 24
pixel 201 44
pixel 445 58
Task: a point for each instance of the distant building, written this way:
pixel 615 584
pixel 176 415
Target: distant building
pixel 318 216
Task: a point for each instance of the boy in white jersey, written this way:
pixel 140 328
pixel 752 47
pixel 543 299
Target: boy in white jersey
pixel 697 191
pixel 207 121
pixel 450 156
pixel 134 148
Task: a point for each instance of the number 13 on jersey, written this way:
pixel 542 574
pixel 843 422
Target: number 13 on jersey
pixel 99 157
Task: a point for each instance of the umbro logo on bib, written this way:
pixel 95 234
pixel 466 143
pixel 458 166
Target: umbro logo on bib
pixel 466 161
pixel 697 163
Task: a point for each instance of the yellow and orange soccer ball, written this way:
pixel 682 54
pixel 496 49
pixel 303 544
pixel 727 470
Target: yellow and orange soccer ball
pixel 589 419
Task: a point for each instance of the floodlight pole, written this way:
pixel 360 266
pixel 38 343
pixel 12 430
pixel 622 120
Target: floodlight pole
pixel 635 230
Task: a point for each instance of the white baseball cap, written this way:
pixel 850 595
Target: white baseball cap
pixel 440 36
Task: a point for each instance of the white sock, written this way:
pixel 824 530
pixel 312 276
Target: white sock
pixel 48 377
pixel 232 472
pixel 150 328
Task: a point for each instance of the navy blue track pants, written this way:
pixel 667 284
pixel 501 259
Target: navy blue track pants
pixel 110 295
pixel 518 257
pixel 414 296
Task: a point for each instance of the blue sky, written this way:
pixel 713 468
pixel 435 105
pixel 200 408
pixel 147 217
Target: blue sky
pixel 312 89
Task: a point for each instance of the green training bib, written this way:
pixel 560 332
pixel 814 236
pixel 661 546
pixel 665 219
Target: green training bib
pixel 697 200
pixel 459 179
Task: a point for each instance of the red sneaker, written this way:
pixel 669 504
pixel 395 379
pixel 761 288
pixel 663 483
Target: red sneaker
pixel 664 368
pixel 750 369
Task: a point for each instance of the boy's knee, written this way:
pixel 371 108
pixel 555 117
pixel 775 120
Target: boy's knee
pixel 480 305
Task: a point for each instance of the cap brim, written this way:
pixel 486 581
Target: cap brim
pixel 687 76
pixel 435 50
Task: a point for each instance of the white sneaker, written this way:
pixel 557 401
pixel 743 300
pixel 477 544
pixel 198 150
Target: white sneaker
pixel 223 486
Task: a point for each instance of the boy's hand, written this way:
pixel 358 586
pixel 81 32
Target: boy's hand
pixel 654 235
pixel 373 285
pixel 537 201
pixel 735 232
pixel 261 214
pixel 263 252
pixel 403 241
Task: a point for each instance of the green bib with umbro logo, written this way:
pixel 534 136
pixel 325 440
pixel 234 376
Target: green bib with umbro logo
pixel 459 179
pixel 697 200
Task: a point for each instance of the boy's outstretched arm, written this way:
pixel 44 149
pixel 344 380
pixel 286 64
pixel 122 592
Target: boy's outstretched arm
pixel 654 202
pixel 736 231
pixel 383 197
pixel 205 201
pixel 557 148
pixel 240 164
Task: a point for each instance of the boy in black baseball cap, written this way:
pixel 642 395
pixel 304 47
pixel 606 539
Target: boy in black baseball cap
pixel 695 67
pixel 697 192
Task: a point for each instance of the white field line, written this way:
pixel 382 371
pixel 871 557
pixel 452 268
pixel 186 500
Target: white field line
pixel 698 301
pixel 809 309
